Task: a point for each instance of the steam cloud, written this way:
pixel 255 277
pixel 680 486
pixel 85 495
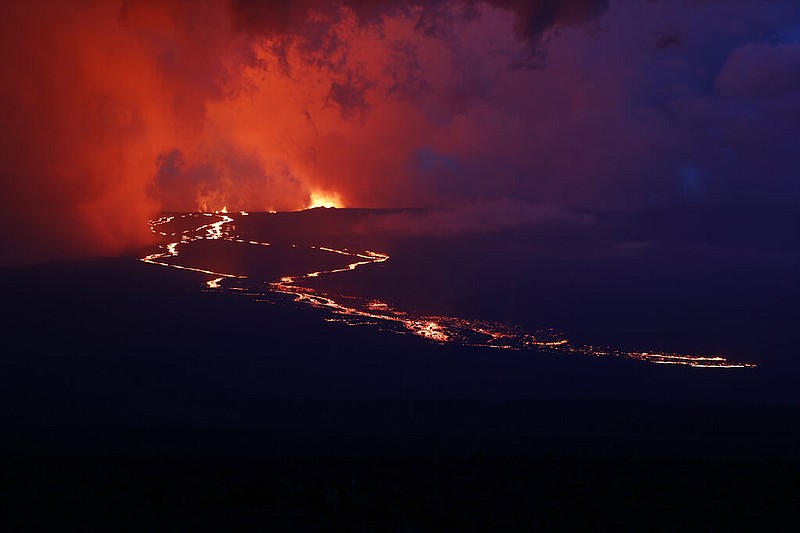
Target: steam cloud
pixel 112 111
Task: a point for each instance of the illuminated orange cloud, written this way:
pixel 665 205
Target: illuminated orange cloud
pixel 113 110
pixel 90 101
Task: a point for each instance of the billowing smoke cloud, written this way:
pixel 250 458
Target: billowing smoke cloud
pixel 111 111
pixel 93 93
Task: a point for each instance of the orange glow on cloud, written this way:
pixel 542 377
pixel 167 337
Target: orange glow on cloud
pixel 115 110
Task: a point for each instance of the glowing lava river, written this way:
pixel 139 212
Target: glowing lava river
pixel 182 230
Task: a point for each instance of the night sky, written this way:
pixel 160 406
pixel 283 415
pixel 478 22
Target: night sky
pixel 112 111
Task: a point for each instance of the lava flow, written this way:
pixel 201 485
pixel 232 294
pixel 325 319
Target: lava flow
pixel 354 311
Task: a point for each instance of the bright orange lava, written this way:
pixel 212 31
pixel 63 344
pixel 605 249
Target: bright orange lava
pixel 356 311
pixel 324 199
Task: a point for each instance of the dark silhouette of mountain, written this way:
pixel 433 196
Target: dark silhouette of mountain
pixel 130 390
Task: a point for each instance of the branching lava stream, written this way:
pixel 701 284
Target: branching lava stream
pixel 359 311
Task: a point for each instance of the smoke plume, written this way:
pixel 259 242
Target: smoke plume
pixel 114 110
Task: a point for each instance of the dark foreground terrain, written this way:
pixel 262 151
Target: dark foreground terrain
pixel 133 400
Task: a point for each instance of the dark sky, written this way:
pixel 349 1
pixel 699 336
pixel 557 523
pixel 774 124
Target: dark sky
pixel 113 110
